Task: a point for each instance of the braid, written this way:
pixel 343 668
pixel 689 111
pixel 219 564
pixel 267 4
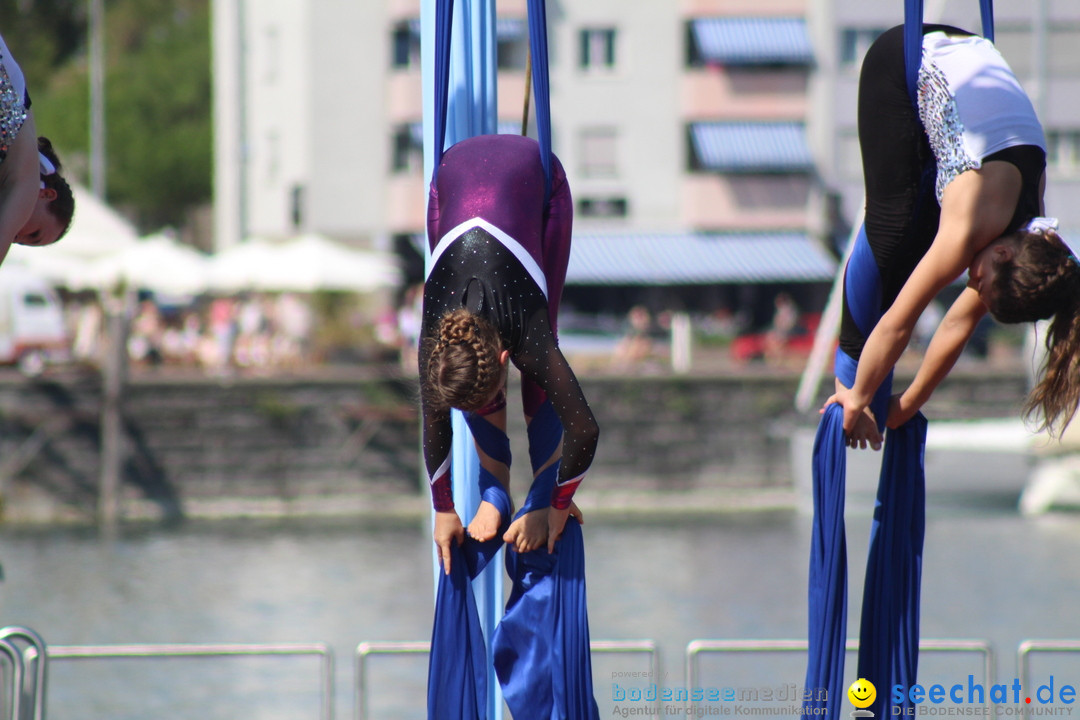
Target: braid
pixel 463 369
pixel 1042 281
pixel 63 206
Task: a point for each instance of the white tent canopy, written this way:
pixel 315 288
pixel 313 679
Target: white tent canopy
pixel 102 249
pixel 304 264
pixel 156 262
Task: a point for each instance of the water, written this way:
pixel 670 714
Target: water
pixel 988 574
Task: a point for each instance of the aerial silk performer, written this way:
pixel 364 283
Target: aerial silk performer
pixel 499 225
pixel 954 166
pixel 36 202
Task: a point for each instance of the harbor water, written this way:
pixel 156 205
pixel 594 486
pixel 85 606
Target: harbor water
pixel 989 574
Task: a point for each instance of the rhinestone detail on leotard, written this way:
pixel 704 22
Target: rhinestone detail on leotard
pixel 12 111
pixel 941 119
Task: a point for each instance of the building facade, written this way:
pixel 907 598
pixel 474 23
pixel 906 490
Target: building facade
pixel 685 123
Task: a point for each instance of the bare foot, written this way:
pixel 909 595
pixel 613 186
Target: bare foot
pixel 528 532
pixel 485 522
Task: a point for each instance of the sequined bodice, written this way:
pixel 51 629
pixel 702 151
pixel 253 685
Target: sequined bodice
pixel 12 105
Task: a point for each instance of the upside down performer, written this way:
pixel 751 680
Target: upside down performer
pixel 953 183
pixel 500 245
pixel 36 203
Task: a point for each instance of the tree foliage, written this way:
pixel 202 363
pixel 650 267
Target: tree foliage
pixel 158 143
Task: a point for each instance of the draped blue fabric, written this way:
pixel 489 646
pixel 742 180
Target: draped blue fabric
pixel 458 58
pixel 458 666
pixel 538 46
pixel 889 631
pixel 541 647
pixel 828 569
pixel 913 21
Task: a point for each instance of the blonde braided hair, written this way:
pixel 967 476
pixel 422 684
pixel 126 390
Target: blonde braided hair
pixel 1042 280
pixel 463 369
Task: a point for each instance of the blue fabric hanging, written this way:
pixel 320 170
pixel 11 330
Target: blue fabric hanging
pixel 888 651
pixel 459 102
pixel 538 46
pixel 541 646
pixel 459 660
pixel 913 26
pixel 889 632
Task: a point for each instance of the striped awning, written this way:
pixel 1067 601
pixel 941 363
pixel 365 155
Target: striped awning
pixel 752 41
pixel 697 259
pixel 751 147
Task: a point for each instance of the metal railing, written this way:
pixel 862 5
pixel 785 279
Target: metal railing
pixel 25 650
pixel 211 650
pixel 24 660
pixel 366 649
pixel 698 647
pixel 1029 647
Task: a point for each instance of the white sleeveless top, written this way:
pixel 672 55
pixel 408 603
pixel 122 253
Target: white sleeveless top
pixel 971 104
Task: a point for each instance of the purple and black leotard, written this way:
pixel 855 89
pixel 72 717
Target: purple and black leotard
pixel 499 250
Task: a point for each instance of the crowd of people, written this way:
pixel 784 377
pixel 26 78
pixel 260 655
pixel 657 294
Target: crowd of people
pixel 248 333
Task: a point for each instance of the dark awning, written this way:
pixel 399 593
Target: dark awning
pixel 697 259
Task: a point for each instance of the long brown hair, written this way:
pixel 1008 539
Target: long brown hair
pixel 1040 281
pixel 462 368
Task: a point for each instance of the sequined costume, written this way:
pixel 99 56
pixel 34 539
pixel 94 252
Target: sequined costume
pixel 14 100
pixel 971 111
pixel 499 251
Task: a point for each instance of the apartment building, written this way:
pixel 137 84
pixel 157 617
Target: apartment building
pixel 679 123
pixel 707 141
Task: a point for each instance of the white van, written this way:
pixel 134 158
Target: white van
pixel 32 329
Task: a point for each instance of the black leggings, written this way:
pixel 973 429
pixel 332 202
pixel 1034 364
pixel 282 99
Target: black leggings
pixel 902 212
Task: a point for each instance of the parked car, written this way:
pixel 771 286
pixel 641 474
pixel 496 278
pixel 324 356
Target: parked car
pixel 752 346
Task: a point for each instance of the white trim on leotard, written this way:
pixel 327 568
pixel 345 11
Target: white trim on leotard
pixel 511 244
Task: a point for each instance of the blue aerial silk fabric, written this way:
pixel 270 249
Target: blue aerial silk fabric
pixel 541 646
pixel 458 663
pixel 889 632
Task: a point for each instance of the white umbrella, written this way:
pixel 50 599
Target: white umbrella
pixel 312 262
pixel 156 263
pixel 304 264
pixel 243 266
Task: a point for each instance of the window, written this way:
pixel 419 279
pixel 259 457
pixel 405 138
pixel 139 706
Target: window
pixel 597 49
pixel 1063 151
pixel 511 43
pixel 611 207
pixel 407 148
pixel 854 42
pixel 598 152
pixel 405 45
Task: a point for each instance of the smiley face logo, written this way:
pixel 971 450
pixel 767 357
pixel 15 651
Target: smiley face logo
pixel 862 693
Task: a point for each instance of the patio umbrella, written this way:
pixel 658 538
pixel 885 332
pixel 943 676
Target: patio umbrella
pixel 157 263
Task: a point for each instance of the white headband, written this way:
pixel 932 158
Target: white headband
pixel 45 167
pixel 1042 224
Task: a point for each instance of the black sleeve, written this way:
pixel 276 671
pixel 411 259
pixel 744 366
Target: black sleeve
pixel 540 359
